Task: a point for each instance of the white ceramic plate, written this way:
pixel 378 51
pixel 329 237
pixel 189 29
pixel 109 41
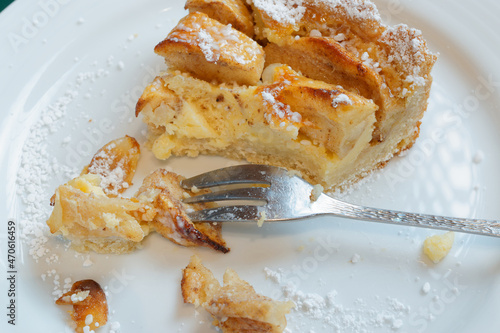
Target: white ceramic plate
pixel 71 73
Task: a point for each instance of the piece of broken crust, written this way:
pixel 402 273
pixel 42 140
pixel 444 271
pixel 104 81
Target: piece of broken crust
pixel 233 12
pixel 162 188
pixel 116 163
pixel 84 214
pixel 235 307
pixel 90 307
pixel 210 51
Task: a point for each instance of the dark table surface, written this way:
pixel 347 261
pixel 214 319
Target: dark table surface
pixel 4 4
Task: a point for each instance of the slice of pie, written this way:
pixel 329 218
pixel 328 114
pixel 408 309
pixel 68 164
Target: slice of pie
pixel 324 87
pixel 90 212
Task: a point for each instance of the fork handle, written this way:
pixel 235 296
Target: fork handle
pixel 328 205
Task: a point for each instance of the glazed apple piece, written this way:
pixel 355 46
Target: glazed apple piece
pixel 90 307
pixel 116 163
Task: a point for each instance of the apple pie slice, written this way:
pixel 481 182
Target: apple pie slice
pixel 340 95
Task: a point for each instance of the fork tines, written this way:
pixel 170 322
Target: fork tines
pixel 252 189
pixel 239 174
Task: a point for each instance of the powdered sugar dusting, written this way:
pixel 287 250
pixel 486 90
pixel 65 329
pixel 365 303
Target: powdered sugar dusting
pixel 112 176
pixel 279 109
pixel 216 41
pixel 36 169
pixel 283 11
pixel 406 51
pixel 292 11
pixel 341 99
pixel 331 314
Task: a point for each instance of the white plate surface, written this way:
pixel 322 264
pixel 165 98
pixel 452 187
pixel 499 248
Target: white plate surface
pixel 71 72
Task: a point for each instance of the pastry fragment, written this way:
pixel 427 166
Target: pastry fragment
pixel 437 247
pixel 84 214
pixel 212 51
pixel 163 190
pixel 235 307
pixel 90 307
pixel 230 12
pixel 92 217
pixel 116 163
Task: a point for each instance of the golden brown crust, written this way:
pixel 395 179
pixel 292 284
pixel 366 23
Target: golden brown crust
pixel 198 284
pixel 116 163
pixel 235 307
pixel 172 221
pixel 326 60
pixel 234 12
pixel 337 42
pixel 90 307
pixel 212 51
pixel 329 114
pixel 93 218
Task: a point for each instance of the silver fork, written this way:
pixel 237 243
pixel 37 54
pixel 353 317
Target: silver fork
pixel 273 194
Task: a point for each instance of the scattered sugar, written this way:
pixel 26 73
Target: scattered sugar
pixel 327 312
pixel 112 176
pixel 80 296
pixel 114 327
pixel 341 99
pixel 215 41
pixel 406 51
pixel 426 288
pixel 38 168
pixel 282 11
pixel 291 12
pixel 208 46
pixel 280 110
pixel 356 258
pixel 89 319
